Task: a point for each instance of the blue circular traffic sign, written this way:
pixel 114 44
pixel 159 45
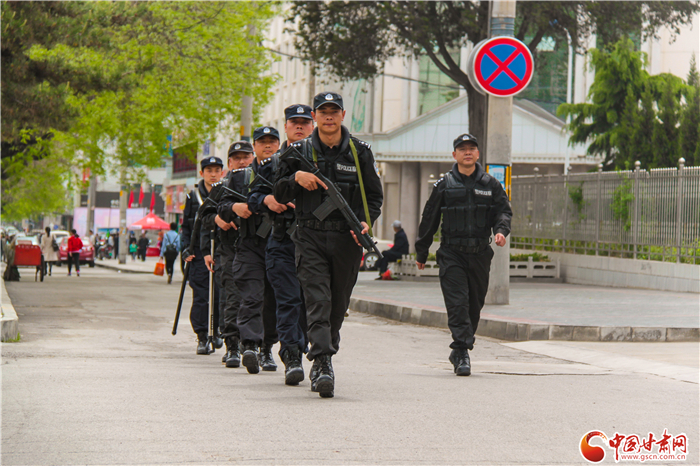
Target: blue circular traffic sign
pixel 500 66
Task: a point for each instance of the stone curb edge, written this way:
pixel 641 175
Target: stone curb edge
pixel 517 331
pixel 114 267
pixel 10 321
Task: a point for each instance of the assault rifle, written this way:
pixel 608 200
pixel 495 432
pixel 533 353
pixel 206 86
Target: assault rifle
pixel 334 201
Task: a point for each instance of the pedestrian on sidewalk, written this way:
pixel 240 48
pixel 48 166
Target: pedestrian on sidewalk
pixel 49 249
pixel 327 252
pixel 397 251
pixel 472 204
pixel 169 250
pixel 133 249
pixel 142 247
pixel 75 244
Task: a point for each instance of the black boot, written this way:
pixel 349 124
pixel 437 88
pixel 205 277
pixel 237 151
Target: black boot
pixel 233 355
pixel 217 342
pixel 322 377
pixel 265 359
pixel 460 359
pixel 293 372
pixel 250 357
pixel 202 347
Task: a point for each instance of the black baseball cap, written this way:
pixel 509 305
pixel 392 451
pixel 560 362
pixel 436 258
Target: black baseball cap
pixel 466 137
pixel 328 98
pixel 206 161
pixel 297 111
pixel 265 131
pixel 240 146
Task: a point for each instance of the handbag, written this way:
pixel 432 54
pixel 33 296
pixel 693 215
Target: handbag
pixel 54 245
pixel 160 268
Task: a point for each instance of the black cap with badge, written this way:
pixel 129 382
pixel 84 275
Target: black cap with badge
pixel 464 138
pixel 240 146
pixel 265 131
pixel 207 161
pixel 328 98
pixel 297 111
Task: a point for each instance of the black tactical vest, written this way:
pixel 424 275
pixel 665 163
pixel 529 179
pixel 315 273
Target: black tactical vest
pixel 467 205
pixel 343 174
pixel 249 226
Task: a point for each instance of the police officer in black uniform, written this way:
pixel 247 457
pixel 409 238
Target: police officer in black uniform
pixel 199 275
pixel 472 204
pixel 280 253
pixel 256 316
pixel 327 253
pixel 240 155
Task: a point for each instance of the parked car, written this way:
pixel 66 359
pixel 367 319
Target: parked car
pixel 87 253
pixel 369 259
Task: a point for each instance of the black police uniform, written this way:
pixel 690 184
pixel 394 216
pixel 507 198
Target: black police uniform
pixel 471 208
pixel 327 256
pixel 280 263
pixel 198 275
pixel 256 315
pixel 225 253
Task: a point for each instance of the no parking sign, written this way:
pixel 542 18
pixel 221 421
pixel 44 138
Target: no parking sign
pixel 500 66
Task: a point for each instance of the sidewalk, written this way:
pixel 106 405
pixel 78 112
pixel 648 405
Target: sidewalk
pixel 544 311
pixel 137 266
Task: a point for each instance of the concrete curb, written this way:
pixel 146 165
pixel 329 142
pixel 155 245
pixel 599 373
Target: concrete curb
pixel 519 331
pixel 119 269
pixel 10 321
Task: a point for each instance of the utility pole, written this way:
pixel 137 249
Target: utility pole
pixel 92 193
pixel 247 103
pixel 499 142
pixel 122 215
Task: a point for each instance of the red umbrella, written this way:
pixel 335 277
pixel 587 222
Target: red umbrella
pixel 150 222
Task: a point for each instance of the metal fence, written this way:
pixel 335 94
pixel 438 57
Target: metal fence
pixel 637 213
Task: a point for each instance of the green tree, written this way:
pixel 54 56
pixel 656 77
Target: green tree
pixel 665 133
pixel 690 118
pixel 631 115
pixel 353 40
pixel 175 68
pixel 619 74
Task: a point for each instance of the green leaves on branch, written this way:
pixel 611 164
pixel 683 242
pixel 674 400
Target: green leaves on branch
pixel 634 116
pixel 144 70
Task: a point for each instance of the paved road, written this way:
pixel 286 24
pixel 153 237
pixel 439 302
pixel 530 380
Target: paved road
pixel 98 379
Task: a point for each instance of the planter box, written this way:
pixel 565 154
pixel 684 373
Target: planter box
pixel 531 269
pixel 527 269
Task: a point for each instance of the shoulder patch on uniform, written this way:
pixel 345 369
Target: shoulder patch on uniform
pixel 297 144
pixel 237 170
pixel 486 177
pixel 267 160
pixel 366 144
pixel 439 181
pixel 188 195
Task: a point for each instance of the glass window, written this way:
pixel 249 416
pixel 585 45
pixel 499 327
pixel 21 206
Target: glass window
pixel 435 88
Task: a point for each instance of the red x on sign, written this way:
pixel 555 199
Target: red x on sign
pixel 501 66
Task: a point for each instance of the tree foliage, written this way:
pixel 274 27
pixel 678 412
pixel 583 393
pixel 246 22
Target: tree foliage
pixel 353 40
pixel 153 69
pixel 632 115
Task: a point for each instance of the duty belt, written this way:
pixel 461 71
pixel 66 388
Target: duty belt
pixel 468 245
pixel 339 225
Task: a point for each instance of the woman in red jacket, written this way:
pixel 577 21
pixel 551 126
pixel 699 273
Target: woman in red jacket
pixel 75 244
